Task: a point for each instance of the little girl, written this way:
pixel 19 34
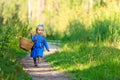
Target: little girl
pixel 39 43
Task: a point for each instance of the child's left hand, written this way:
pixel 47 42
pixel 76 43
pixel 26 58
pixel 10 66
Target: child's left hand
pixel 48 50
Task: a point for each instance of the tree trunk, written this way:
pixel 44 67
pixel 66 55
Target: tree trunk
pixel 29 11
pixel 38 10
pixel 91 3
pixel 40 14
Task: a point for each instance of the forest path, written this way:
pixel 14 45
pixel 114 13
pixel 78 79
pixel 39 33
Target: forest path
pixel 43 71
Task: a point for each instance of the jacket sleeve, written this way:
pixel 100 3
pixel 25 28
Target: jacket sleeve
pixel 46 44
pixel 33 38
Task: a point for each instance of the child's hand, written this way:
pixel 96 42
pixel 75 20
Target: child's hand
pixel 30 33
pixel 48 50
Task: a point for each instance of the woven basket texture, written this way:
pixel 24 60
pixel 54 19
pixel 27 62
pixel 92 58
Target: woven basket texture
pixel 26 44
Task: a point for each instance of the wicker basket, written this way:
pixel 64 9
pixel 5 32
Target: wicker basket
pixel 26 44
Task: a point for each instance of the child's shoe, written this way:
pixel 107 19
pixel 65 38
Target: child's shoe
pixel 35 63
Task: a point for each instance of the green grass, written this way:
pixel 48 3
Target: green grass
pixel 10 67
pixel 10 53
pixel 86 61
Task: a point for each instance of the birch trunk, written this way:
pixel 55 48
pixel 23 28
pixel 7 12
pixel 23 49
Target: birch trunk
pixel 29 11
pixel 91 3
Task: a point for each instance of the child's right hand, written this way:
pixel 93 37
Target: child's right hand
pixel 30 33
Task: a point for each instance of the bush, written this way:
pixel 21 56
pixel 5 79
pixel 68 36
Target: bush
pixel 10 68
pixel 105 30
pixel 76 32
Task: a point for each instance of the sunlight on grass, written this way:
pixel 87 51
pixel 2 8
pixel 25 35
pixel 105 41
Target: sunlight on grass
pixel 81 67
pixel 83 59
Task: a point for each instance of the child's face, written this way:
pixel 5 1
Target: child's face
pixel 40 30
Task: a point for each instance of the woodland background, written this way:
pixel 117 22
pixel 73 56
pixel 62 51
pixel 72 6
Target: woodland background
pixel 88 29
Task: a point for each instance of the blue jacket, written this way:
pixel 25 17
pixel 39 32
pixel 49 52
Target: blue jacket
pixel 39 44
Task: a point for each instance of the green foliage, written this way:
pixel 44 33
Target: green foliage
pixel 10 68
pixel 72 21
pixel 76 32
pixel 106 30
pixel 12 8
pixel 64 14
pixel 101 31
pixel 10 53
pixel 11 28
pixel 52 34
pixel 87 61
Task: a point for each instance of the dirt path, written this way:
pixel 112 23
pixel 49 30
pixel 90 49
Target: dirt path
pixel 43 71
